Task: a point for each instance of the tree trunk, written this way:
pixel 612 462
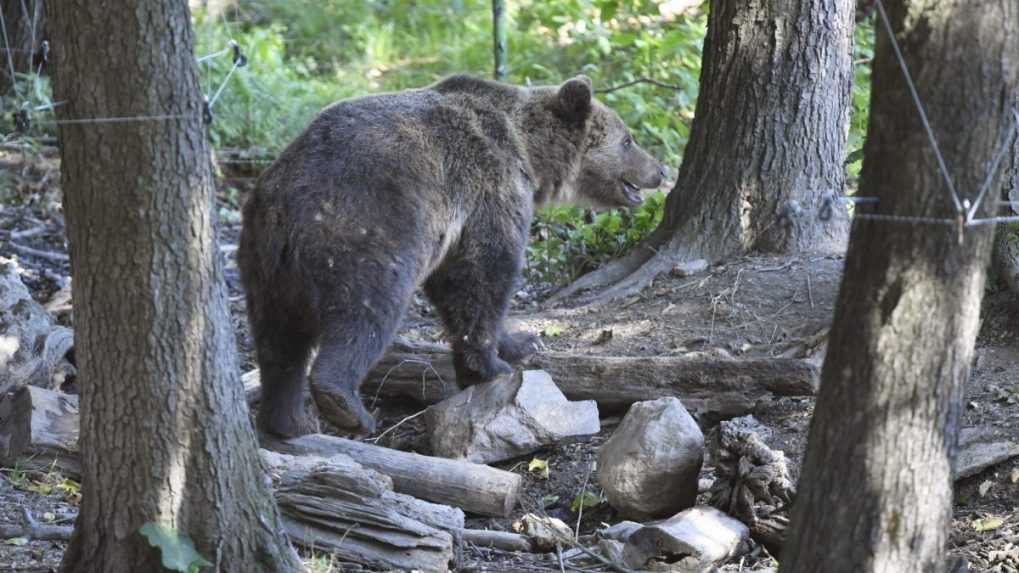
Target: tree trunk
pixel 499 38
pixel 876 489
pixel 165 434
pixel 764 164
pixel 23 26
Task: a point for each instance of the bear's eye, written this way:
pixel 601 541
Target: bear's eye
pixel 628 141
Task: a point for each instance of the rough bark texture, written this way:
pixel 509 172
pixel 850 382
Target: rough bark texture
pixel 766 147
pixel 24 26
pixel 165 435
pixel 876 490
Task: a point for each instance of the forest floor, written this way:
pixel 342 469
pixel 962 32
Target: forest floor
pixel 750 306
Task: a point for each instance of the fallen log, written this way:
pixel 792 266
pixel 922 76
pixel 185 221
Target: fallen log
pixel 334 504
pixel 711 388
pixel 39 431
pixel 475 488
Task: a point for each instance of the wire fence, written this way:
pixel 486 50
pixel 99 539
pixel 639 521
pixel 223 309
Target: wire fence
pixel 965 211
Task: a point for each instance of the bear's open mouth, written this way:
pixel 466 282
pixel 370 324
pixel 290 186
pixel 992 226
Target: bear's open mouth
pixel 632 193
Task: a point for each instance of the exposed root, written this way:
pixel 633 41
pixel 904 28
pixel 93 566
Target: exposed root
pixel 634 283
pixel 607 275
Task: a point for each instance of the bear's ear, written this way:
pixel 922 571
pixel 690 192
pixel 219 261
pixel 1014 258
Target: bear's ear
pixel 575 97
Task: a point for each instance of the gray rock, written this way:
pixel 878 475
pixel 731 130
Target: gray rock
pixel 612 550
pixel 980 449
pixel 506 418
pixel 688 268
pixel 32 348
pixel 702 536
pixel 650 465
pixel 620 531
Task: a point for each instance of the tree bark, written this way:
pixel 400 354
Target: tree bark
pixel 876 489
pixel 24 29
pixel 165 434
pixel 764 163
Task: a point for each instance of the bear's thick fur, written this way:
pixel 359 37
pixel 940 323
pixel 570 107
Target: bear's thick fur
pixel 432 187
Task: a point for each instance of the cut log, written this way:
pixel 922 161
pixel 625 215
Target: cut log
pixel 39 431
pixel 335 504
pixel 712 389
pixel 472 487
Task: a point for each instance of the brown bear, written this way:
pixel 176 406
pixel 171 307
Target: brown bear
pixel 429 187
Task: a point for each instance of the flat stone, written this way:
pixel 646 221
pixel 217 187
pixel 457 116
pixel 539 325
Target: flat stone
pixel 507 418
pixel 620 531
pixel 979 450
pixel 687 268
pixel 701 537
pixel 649 467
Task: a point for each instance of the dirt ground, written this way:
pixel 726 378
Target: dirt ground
pixel 751 306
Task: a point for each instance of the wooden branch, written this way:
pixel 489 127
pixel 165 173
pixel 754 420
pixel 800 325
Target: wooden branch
pixel 39 431
pixel 335 504
pixel 32 252
pixel 32 529
pixel 505 540
pixel 652 81
pixel 472 487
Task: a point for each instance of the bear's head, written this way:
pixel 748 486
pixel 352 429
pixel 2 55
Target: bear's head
pixel 608 169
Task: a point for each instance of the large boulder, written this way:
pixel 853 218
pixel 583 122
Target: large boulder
pixel 507 418
pixel 650 465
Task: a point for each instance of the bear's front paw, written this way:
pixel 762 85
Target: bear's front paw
pixel 343 408
pixel 516 346
pixel 478 368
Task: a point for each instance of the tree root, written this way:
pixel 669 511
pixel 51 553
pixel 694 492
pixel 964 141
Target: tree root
pixel 607 275
pixel 628 276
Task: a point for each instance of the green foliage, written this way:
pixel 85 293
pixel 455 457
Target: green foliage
pixel 863 54
pixel 177 550
pixel 304 55
pixel 569 241
pixel 587 500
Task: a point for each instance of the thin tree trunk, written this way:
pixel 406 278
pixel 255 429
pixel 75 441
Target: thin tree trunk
pixel 763 169
pixel 876 490
pixel 23 26
pixel 165 433
pixel 499 38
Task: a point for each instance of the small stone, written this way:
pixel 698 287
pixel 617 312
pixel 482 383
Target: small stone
pixel 688 268
pixel 649 467
pixel 507 418
pixel 695 540
pixel 545 532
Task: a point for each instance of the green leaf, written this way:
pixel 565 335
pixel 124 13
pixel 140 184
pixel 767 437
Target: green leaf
pixel 177 550
pixel 552 331
pixel 539 467
pixel 586 499
pixel 17 541
pixel 988 523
